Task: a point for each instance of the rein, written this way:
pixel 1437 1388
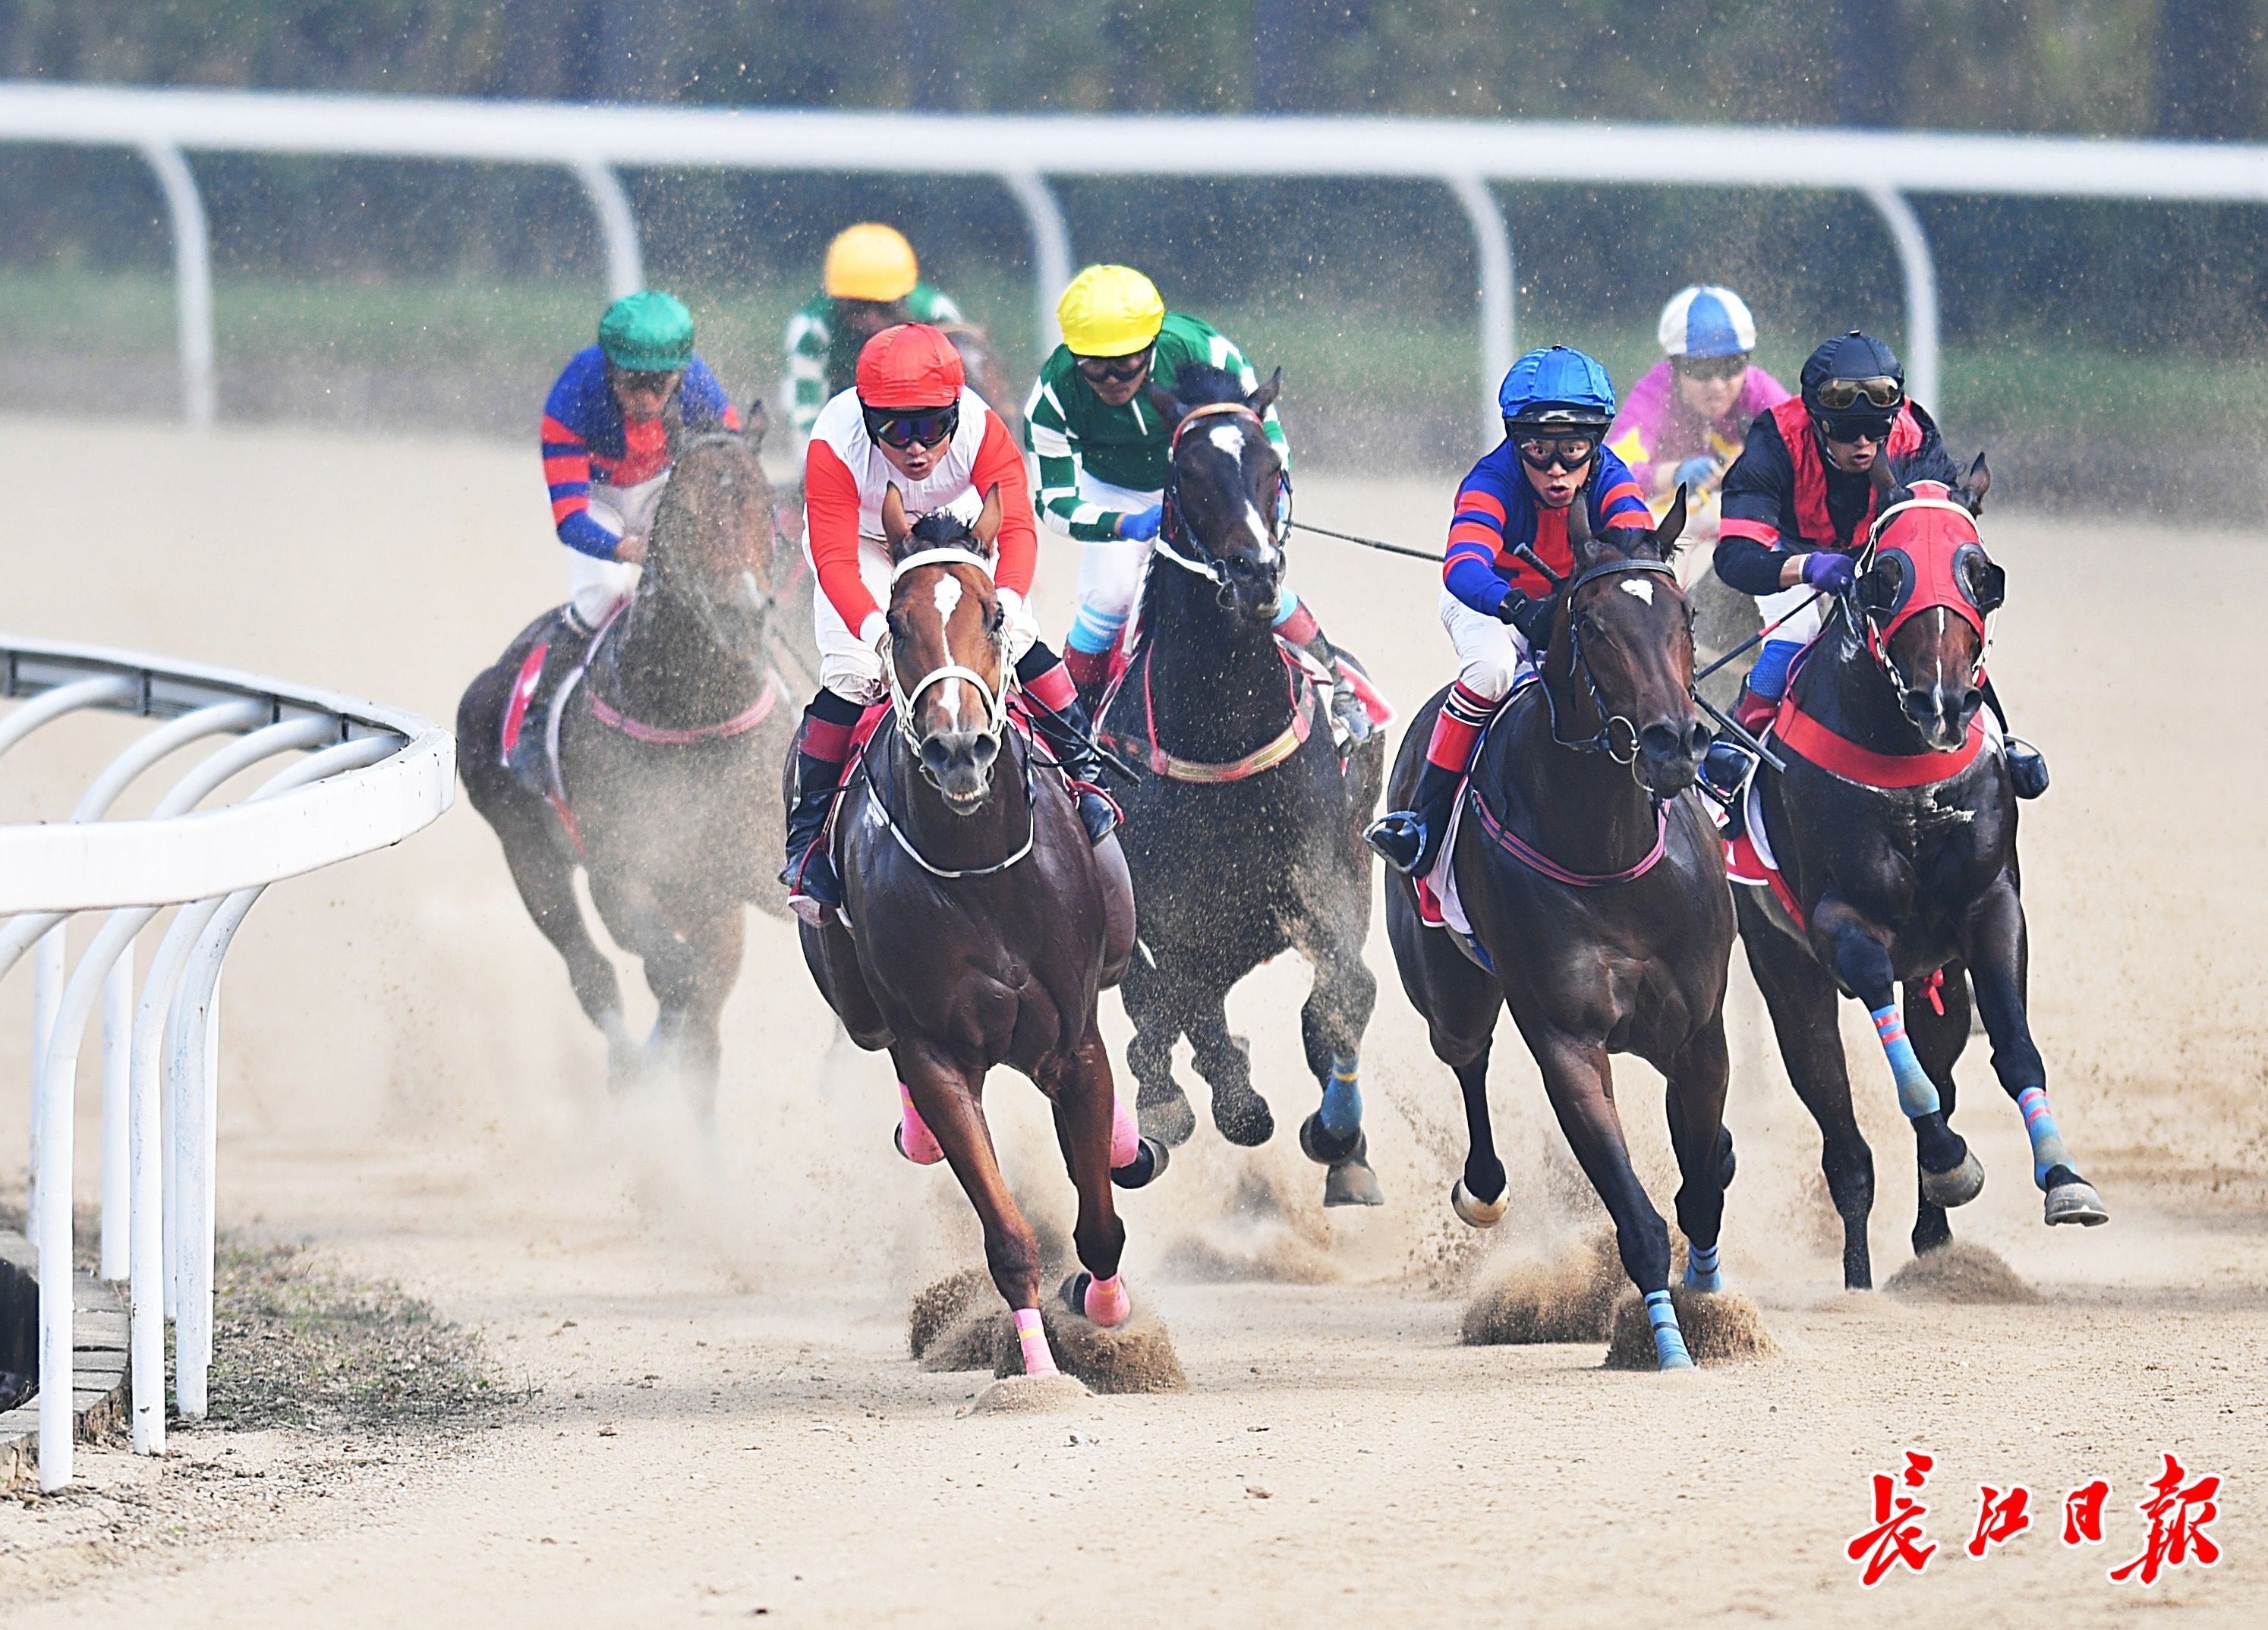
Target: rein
pixel 881 802
pixel 1579 661
pixel 1501 833
pixel 1172 535
pixel 903 699
pixel 671 736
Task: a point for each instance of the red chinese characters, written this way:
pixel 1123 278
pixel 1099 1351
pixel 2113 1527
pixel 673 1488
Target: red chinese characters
pixel 1894 1539
pixel 2178 1518
pixel 2000 1517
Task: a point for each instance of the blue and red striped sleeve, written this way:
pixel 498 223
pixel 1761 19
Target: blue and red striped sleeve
pixel 1620 501
pixel 705 402
pixel 1476 538
pixel 567 467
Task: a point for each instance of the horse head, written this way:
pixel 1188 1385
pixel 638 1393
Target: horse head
pixel 1228 499
pixel 1921 602
pixel 947 666
pixel 1624 631
pixel 713 540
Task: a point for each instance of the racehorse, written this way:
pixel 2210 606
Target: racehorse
pixel 1593 887
pixel 1244 831
pixel 669 750
pixel 1895 835
pixel 978 921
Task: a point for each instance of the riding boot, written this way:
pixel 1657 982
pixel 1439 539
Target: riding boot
pixel 1347 708
pixel 1062 721
pixel 821 747
pixel 2027 769
pixel 1410 839
pixel 529 764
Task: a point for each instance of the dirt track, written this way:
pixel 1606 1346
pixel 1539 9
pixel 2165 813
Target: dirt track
pixel 727 1420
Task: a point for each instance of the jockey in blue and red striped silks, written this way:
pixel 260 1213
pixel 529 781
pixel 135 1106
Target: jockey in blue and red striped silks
pixel 1557 405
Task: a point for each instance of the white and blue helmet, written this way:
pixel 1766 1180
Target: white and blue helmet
pixel 1707 320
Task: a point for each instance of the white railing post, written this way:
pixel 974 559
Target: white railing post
pixel 117 1060
pixel 1919 269
pixel 184 212
pixel 1492 243
pixel 1050 251
pixel 618 230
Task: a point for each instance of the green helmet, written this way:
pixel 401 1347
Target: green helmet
pixel 649 332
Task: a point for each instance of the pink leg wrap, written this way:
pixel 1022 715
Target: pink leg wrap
pixel 1106 1302
pixel 915 1140
pixel 1038 1361
pixel 1126 1135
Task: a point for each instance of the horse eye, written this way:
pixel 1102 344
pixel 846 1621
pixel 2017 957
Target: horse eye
pixel 996 619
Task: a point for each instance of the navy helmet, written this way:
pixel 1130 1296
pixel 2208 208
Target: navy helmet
pixel 1557 389
pixel 1854 383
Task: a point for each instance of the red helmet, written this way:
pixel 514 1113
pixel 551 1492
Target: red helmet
pixel 911 365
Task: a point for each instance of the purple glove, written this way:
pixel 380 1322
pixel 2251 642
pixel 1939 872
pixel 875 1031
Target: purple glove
pixel 1824 569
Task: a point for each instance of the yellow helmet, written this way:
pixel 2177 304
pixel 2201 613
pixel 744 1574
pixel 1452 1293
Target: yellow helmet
pixel 870 262
pixel 1110 310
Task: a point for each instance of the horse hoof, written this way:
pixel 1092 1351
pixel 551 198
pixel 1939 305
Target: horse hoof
pixel 1166 1117
pixel 1474 1211
pixel 1325 1146
pixel 898 1142
pixel 1709 1283
pixel 1350 1182
pixel 1075 1292
pixel 1149 1161
pixel 1956 1188
pixel 1245 1120
pixel 2076 1201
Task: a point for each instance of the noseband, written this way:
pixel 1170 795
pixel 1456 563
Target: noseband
pixel 1605 739
pixel 1876 637
pixel 903 699
pixel 1172 536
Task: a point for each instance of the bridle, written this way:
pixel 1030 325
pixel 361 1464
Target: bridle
pixel 1173 536
pixel 1622 748
pixel 1876 638
pixel 902 699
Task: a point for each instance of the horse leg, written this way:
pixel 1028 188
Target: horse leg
pixel 1579 1080
pixel 1999 956
pixel 1800 996
pixel 1224 1062
pixel 1338 1011
pixel 1697 1078
pixel 1938 1039
pixel 545 878
pixel 949 1103
pixel 692 974
pixel 1085 1106
pixel 1950 1174
pixel 1152 1004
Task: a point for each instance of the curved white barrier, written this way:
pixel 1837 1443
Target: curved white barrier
pixel 373 775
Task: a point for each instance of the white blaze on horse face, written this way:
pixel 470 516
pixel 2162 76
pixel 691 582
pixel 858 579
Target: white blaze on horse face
pixel 948 596
pixel 1639 589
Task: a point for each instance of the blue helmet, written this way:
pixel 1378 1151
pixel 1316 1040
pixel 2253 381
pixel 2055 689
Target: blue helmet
pixel 1556 387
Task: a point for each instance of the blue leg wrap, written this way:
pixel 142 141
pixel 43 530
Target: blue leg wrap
pixel 1917 1092
pixel 1701 1268
pixel 1342 1110
pixel 1093 632
pixel 1669 1341
pixel 1769 675
pixel 2048 1150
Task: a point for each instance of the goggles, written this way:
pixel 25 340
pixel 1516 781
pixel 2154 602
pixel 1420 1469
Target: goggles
pixel 925 426
pixel 1881 390
pixel 1115 370
pixel 1856 427
pixel 657 383
pixel 1712 367
pixel 1569 452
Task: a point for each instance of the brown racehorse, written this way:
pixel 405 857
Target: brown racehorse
pixel 669 749
pixel 1596 889
pixel 981 922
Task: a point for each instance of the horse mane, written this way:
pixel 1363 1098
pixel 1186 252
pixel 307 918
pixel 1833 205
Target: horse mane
pixel 670 515
pixel 1197 385
pixel 942 529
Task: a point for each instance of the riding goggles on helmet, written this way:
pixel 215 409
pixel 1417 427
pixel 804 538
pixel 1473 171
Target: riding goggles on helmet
pixel 1730 367
pixel 1114 370
pixel 1839 395
pixel 927 426
pixel 1571 451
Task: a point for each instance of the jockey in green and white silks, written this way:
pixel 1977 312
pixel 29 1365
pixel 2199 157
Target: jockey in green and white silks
pixel 871 281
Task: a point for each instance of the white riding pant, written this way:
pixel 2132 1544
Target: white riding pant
pixel 1109 570
pixel 852 668
pixel 596 586
pixel 1490 653
pixel 1799 629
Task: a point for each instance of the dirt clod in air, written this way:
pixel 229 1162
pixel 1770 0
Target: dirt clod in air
pixel 939 1306
pixel 1137 1357
pixel 1961 1273
pixel 1568 1296
pixel 1721 1328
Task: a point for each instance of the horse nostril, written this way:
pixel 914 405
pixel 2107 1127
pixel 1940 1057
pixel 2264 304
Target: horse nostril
pixel 1697 737
pixel 983 750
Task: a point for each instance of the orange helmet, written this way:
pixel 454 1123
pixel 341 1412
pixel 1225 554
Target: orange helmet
pixel 911 365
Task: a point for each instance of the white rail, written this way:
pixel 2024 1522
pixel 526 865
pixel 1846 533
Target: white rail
pixel 372 777
pixel 1883 167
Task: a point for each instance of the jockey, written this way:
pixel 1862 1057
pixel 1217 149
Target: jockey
pixel 910 419
pixel 1557 405
pixel 609 426
pixel 1684 420
pixel 1798 506
pixel 1102 448
pixel 870 282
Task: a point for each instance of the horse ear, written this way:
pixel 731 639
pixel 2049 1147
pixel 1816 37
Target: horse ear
pixel 895 526
pixel 1262 399
pixel 1168 406
pixel 1581 541
pixel 754 422
pixel 987 520
pixel 1979 483
pixel 1671 533
pixel 1885 479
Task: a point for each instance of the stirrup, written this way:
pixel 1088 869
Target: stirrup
pixel 812 875
pixel 1096 812
pixel 1402 838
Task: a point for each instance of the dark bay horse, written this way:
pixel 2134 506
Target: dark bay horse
pixel 1244 833
pixel 1894 831
pixel 1595 886
pixel 978 922
pixel 668 756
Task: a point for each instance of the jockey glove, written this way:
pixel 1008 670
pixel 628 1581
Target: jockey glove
pixel 1141 523
pixel 1697 471
pixel 1827 570
pixel 1531 617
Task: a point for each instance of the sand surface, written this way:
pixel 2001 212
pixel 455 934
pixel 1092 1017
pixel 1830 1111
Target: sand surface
pixel 725 1421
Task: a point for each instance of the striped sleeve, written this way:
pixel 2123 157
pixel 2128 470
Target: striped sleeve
pixel 997 464
pixel 1476 537
pixel 567 473
pixel 1229 359
pixel 1047 434
pixel 806 342
pixel 1623 504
